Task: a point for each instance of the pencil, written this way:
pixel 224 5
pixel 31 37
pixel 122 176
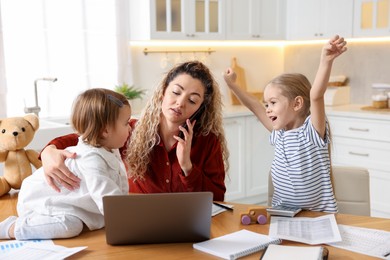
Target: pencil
pixel 222 206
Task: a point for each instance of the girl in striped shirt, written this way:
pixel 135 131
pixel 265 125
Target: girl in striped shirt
pixel 294 112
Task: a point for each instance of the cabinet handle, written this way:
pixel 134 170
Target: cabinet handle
pixel 359 154
pixel 190 35
pixel 231 122
pixel 359 129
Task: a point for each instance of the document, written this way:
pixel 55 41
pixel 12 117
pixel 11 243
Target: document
pixel 219 208
pixel 312 231
pixel 11 245
pixel 36 250
pixel 275 252
pixel 366 241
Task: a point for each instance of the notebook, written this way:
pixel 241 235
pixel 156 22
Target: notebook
pixel 157 218
pixel 273 252
pixel 236 244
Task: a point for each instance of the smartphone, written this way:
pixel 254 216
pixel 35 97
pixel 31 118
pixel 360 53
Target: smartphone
pixel 195 116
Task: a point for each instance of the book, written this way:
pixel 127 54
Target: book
pixel 295 252
pixel 283 211
pixel 236 244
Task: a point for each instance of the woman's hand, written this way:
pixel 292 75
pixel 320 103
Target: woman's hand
pixel 183 149
pixel 53 163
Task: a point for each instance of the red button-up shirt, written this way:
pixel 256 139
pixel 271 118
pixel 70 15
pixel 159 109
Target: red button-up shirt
pixel 164 173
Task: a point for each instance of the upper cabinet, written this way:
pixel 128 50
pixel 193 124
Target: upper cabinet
pixel 371 18
pixel 256 19
pixel 177 19
pixel 319 19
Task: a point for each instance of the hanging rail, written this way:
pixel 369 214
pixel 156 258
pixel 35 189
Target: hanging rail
pixel 146 51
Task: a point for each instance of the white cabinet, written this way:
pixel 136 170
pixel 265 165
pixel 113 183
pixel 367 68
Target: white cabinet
pixel 319 19
pixel 235 179
pixel 250 160
pixel 177 19
pixel 365 142
pixel 255 19
pixel 371 18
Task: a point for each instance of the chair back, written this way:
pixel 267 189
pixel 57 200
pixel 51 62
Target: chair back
pixel 351 187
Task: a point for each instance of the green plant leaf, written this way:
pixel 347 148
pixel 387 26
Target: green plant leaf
pixel 130 92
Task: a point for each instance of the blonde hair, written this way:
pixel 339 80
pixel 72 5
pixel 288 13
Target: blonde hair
pixel 294 85
pixel 145 135
pixel 94 110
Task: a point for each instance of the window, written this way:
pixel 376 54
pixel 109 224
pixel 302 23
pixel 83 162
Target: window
pixel 76 41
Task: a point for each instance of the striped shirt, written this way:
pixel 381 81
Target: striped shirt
pixel 301 169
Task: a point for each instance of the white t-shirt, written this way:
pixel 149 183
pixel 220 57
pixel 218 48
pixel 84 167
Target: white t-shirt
pixel 301 169
pixel 101 172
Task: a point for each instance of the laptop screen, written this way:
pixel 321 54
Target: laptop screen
pixel 157 218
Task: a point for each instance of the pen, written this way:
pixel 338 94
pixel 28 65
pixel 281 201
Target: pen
pixel 223 206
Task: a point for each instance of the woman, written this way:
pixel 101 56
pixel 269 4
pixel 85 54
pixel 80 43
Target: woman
pixel 158 159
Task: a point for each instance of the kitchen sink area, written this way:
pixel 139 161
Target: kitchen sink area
pixel 50 128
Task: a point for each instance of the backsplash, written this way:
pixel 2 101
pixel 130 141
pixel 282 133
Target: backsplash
pixel 363 64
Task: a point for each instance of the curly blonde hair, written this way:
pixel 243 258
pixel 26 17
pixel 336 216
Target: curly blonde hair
pixel 145 135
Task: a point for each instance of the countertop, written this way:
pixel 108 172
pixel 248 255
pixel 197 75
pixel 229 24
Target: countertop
pixel 352 110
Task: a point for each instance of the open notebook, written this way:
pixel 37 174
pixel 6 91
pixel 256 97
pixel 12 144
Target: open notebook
pixel 236 244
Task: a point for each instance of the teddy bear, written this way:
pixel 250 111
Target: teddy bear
pixel 15 134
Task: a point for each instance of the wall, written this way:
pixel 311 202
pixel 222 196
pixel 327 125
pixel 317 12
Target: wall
pixel 363 63
pixel 260 64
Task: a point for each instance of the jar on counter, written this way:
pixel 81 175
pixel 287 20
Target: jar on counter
pixel 388 99
pixel 380 97
pixel 380 101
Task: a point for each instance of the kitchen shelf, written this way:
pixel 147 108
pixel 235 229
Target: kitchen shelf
pixel 147 50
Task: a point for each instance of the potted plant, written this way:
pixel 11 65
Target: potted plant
pixel 130 92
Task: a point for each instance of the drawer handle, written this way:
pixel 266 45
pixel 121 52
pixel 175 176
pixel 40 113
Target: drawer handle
pixel 359 154
pixel 359 129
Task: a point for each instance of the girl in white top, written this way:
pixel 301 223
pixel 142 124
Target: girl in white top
pixel 294 112
pixel 101 118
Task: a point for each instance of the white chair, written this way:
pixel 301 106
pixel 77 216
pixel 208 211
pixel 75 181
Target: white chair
pixel 351 188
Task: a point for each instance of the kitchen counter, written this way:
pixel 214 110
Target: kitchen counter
pixel 355 111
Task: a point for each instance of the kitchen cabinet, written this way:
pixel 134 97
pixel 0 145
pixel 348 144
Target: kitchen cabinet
pixel 319 19
pixel 371 18
pixel 255 19
pixel 360 140
pixel 177 19
pixel 250 159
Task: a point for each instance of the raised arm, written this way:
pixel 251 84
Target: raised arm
pixel 248 100
pixel 332 49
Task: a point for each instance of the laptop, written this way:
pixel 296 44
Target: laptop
pixel 157 218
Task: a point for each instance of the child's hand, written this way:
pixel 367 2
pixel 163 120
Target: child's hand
pixel 230 76
pixel 334 48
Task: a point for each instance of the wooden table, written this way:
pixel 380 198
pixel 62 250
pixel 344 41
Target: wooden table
pixel 222 224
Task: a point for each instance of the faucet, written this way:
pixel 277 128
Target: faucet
pixel 36 109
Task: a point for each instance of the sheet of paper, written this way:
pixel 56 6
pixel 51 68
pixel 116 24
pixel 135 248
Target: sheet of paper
pixel 11 245
pixel 38 251
pixel 311 231
pixel 372 242
pixel 216 209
